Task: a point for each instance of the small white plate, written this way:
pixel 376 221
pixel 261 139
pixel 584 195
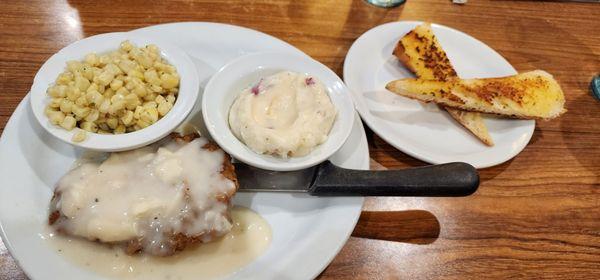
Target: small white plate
pixel 224 87
pixel 104 43
pixel 423 130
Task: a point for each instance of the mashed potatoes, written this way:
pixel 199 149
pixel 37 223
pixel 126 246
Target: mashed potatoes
pixel 286 114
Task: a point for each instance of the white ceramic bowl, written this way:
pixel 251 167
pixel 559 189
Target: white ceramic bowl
pixel 224 87
pixel 188 91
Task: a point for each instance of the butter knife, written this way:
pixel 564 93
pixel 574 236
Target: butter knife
pixel 327 179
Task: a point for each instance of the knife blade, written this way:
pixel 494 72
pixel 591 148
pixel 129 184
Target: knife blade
pixel 327 179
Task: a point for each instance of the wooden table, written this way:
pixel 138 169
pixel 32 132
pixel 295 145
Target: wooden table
pixel 535 216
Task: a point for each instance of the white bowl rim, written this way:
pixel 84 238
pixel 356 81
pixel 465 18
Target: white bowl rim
pixel 241 152
pixel 186 98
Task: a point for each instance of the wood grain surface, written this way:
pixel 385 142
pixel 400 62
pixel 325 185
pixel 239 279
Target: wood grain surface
pixel 536 216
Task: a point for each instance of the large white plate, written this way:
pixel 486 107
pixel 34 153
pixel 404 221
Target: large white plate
pixel 422 130
pixel 307 231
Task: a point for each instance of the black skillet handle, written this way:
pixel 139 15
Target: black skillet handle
pixel 450 179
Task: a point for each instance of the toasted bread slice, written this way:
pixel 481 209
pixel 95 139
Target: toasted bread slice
pixel 421 52
pixel 473 122
pixel 530 95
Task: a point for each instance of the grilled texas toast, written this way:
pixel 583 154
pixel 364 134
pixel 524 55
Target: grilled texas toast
pixel 529 95
pixel 421 52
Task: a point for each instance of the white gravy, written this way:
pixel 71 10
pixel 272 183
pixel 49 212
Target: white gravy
pixel 249 237
pixel 147 194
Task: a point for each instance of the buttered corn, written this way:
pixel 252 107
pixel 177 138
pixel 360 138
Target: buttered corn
pixel 119 92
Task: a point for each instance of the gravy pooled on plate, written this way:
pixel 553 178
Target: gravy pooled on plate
pixel 285 114
pixel 157 199
pixel 249 238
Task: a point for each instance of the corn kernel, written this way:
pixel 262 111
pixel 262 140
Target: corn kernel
pixel 92 116
pixel 126 65
pixel 153 48
pixel 81 83
pixel 92 87
pixel 164 108
pixel 87 72
pixel 171 98
pixel 149 115
pixel 68 123
pixel 55 117
pixel 136 74
pixel 53 91
pixel 126 46
pixel 101 89
pixel 72 93
pixel 65 105
pixel 141 124
pixel 160 99
pixel 116 84
pixel 49 109
pixel 79 136
pixel 157 89
pixel 104 106
pixel 150 96
pixel 91 59
pixel 108 93
pixel 137 112
pixel 89 126
pixel 116 107
pixel 127 119
pixel 55 103
pixel 112 122
pixel 74 66
pixel 169 81
pixel 105 78
pixel 139 90
pixel 120 129
pixel 80 112
pixel 149 104
pixel 81 101
pixel 113 69
pixel 103 60
pixel 64 78
pixel 121 91
pixel 145 60
pixel 132 101
pixel 103 126
pixel 152 77
pixel 97 99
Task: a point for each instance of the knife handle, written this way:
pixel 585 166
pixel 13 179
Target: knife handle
pixel 450 179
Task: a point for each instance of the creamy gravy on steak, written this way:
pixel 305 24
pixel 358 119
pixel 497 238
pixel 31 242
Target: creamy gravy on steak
pixel 153 197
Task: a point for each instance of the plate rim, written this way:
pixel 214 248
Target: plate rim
pixel 373 124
